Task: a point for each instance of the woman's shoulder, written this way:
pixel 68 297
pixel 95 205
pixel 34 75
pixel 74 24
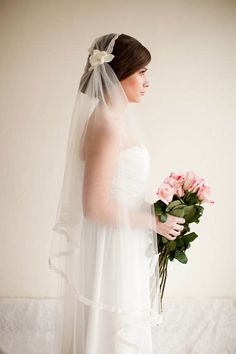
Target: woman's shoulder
pixel 100 129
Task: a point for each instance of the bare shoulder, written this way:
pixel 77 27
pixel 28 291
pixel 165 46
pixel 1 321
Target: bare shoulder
pixel 101 132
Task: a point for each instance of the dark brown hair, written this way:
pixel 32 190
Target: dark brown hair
pixel 130 56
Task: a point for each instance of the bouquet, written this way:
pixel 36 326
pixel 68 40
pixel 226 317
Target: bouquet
pixel 181 194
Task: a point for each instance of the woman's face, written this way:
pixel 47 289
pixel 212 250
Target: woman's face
pixel 135 85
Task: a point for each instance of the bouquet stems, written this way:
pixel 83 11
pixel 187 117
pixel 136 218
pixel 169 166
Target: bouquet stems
pixel 180 195
pixel 163 264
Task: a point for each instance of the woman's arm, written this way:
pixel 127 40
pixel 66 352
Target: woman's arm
pixel 137 219
pixel 101 156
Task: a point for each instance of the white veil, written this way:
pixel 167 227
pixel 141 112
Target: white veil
pixel 97 269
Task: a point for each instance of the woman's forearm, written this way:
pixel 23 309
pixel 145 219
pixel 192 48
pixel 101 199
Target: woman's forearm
pixel 109 215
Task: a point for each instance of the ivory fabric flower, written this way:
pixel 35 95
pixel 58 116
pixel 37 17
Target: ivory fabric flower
pixel 99 57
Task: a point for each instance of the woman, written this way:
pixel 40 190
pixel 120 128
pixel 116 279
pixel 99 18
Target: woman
pixel 108 258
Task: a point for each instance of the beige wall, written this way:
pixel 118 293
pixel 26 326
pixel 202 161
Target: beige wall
pixel 192 78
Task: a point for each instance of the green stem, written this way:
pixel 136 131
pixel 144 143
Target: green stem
pixel 162 262
pixel 162 259
pixel 163 287
pixel 163 276
pixel 181 200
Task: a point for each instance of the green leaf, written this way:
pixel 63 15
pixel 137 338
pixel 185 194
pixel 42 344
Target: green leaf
pixel 163 217
pixel 173 204
pixel 190 237
pixel 178 211
pixel 181 256
pixel 186 228
pixel 164 240
pixel 179 241
pixel 198 213
pixel 172 245
pixel 189 212
pixel 159 207
pixel 171 256
pixel 191 198
pixel 158 211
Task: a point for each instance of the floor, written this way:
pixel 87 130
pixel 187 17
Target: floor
pixel 190 326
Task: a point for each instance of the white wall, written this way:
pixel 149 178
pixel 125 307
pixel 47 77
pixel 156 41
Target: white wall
pixel 192 78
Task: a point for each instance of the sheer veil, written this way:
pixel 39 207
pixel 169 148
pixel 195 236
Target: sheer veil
pixel 100 116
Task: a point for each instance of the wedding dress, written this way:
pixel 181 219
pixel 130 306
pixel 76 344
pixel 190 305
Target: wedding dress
pixel 117 279
pixel 107 259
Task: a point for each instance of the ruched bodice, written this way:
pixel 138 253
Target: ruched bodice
pixel 134 176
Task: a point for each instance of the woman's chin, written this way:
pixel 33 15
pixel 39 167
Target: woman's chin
pixel 135 100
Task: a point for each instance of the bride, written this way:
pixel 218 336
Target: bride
pixel 104 245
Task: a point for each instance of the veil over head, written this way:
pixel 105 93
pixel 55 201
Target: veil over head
pixel 96 269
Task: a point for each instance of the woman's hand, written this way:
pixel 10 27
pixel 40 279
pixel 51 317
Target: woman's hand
pixel 171 228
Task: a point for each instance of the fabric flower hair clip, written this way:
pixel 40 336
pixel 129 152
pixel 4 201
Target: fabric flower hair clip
pixel 99 57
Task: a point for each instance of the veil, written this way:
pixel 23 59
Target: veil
pixel 96 224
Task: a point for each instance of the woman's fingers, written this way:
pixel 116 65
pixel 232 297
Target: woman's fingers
pixel 171 228
pixel 178 227
pixel 174 233
pixel 169 237
pixel 175 219
pixel 180 220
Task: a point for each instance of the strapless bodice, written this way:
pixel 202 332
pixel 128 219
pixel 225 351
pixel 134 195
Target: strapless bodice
pixel 130 177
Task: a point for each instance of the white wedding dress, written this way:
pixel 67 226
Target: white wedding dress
pixel 116 278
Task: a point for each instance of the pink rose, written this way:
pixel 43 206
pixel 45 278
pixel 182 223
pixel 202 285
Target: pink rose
pixel 190 179
pixel 165 193
pixel 196 185
pixel 175 180
pixel 170 181
pixel 178 176
pixel 204 193
pixel 180 192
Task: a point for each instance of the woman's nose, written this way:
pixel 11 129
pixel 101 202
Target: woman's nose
pixel 146 83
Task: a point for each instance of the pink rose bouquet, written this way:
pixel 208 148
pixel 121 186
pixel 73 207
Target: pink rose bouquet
pixel 181 194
